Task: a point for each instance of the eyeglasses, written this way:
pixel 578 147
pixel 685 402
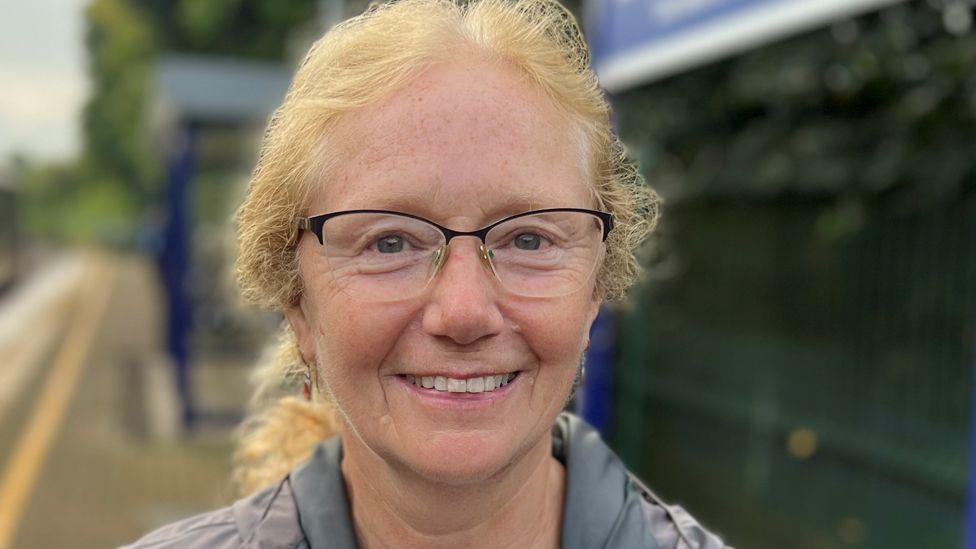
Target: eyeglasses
pixel 380 255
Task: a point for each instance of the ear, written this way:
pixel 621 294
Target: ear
pixel 299 323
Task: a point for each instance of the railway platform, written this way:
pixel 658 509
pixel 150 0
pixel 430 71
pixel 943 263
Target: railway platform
pixel 91 454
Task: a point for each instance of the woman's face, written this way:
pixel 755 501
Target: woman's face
pixel 464 145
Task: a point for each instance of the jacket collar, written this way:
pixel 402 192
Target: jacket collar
pixel 602 508
pixel 320 495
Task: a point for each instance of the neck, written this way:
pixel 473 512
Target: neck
pixel 519 507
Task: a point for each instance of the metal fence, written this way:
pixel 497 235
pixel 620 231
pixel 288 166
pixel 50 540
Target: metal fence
pixel 798 386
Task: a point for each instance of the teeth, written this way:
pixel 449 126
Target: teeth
pixel 456 385
pixel 452 385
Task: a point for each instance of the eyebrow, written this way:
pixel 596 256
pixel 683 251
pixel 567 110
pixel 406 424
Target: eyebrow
pixel 427 206
pixel 401 201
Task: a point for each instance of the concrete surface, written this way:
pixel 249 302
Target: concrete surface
pixel 90 451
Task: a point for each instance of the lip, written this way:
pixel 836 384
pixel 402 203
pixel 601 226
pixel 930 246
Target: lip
pixel 459 401
pixel 456 375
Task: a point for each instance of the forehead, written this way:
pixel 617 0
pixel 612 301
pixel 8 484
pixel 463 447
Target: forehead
pixel 464 140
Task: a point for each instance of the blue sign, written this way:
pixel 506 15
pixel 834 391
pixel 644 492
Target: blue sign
pixel 635 41
pixel 617 26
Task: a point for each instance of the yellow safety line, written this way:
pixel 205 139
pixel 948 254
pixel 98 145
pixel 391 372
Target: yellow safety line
pixel 34 443
pixel 26 353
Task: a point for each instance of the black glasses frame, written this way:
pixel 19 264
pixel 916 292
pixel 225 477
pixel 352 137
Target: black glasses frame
pixel 315 223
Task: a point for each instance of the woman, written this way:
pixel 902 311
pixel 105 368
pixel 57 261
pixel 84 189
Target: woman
pixel 439 210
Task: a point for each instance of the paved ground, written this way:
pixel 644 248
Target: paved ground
pixel 81 407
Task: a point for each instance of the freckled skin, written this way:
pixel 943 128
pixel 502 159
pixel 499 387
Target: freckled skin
pixel 464 145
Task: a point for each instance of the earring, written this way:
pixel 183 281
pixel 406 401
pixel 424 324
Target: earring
pixel 307 387
pixel 582 366
pixel 581 373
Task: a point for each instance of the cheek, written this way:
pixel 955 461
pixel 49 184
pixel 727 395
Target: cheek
pixel 348 334
pixel 556 334
pixel 353 340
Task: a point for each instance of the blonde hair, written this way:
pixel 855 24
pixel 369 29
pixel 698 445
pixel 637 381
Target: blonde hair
pixel 358 63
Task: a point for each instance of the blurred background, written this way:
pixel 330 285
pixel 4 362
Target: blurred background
pixel 796 369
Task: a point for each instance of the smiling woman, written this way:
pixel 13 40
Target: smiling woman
pixel 439 210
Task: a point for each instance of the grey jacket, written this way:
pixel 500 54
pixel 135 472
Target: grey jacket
pixel 606 507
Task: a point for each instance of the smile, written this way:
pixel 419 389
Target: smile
pixel 444 384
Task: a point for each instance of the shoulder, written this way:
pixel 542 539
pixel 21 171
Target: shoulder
pixel 608 506
pixel 671 526
pixel 267 518
pixel 214 529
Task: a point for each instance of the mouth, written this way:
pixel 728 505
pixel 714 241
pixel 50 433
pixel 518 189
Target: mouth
pixel 444 384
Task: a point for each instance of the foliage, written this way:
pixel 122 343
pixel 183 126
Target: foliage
pixel 117 149
pixel 244 28
pixel 119 176
pixel 60 202
pixel 880 108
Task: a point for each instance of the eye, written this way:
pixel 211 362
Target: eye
pixel 528 241
pixel 390 244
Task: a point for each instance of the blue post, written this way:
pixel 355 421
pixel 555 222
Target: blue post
pixel 595 397
pixel 175 262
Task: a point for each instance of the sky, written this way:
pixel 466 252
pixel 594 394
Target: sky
pixel 43 82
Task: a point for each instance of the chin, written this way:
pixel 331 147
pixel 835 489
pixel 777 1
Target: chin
pixel 464 458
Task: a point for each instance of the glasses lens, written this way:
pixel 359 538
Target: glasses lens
pixel 380 257
pixel 546 254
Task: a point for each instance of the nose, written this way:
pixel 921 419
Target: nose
pixel 462 304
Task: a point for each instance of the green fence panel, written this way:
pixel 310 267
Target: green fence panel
pixel 798 389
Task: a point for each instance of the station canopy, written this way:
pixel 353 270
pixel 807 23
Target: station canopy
pixel 216 90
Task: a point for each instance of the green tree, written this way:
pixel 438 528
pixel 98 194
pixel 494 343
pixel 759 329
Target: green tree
pixel 123 39
pixel 879 109
pixel 242 28
pixel 117 152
